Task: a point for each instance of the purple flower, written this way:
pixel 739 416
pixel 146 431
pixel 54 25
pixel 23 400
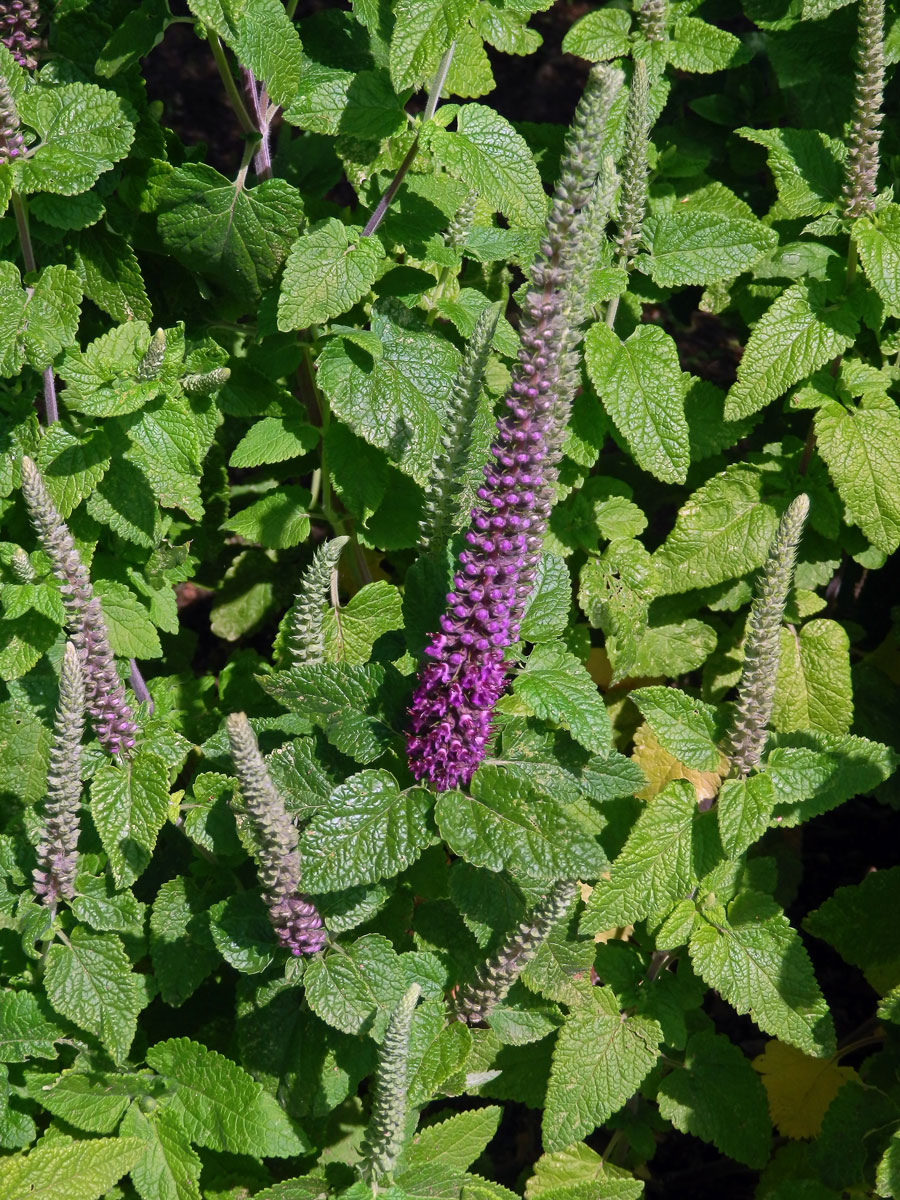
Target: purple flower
pixel 450 715
pixel 18 30
pixel 11 141
pixel 104 694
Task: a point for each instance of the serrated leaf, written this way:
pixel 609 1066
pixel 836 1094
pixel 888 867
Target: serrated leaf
pixel 357 989
pixel 90 981
pixel 131 631
pixel 813 689
pixel 366 831
pixel 102 380
pixel 123 501
pixel 643 389
pixel 129 805
pixel 361 105
pixel 52 312
pixel 236 235
pixel 168 1169
pixel 561 969
pixel 218 1105
pixel 800 1089
pixel 700 47
pixel 799 333
pixel 757 962
pixel 242 932
pixel 507 824
pixel 166 447
pixel 83 132
pixel 556 687
pixel 274 440
pixel 808 167
pixel 98 904
pixel 326 272
pixel 744 808
pixel 181 946
pixel 877 239
pixel 396 402
pixel 858 922
pixel 599 35
pixel 279 520
pixel 723 531
pixel 860 447
pixel 455 1142
pixel 111 276
pixel 547 611
pixel 351 632
pixel 487 154
pixel 91 1102
pixel 815 772
pixel 60 1168
pixel 689 247
pixel 25 1032
pixel 577 1172
pixel 887 1178
pixel 600 1060
pixel 423 30
pixel 684 726
pixel 718 1097
pixel 72 466
pixel 671 846
pixel 262 36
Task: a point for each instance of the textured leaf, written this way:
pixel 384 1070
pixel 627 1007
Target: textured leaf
pixel 218 1105
pixel 599 35
pixel 181 947
pixel 455 1142
pixel 695 247
pixel 111 276
pixel 887 1179
pixel 90 981
pixel 815 772
pixel 877 240
pixel 798 334
pixel 326 272
pixel 51 315
pixel 83 132
pixel 368 830
pixel 723 531
pixel 799 1088
pixel 279 520
pixel 684 726
pixel 744 807
pixel 669 848
pixel 423 30
pixel 351 632
pixel 102 379
pixel 168 1169
pixel 262 36
pixel 131 631
pixel 357 989
pixel 860 447
pixel 239 236
pixel 643 389
pixel 166 447
pixel 507 824
pixel 92 1102
pixel 808 167
pixel 697 46
pixel 124 501
pixel 717 1097
pixel 556 687
pixel 813 688
pixel 274 440
pixel 62 1169
pixel 25 1032
pixel 547 611
pixel 129 804
pixel 242 933
pixel 600 1060
pixel 333 101
pixel 858 922
pixel 72 466
pixel 577 1172
pixel 756 961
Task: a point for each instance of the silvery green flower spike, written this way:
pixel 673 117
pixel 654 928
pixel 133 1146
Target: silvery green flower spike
pixel 441 515
pixel 304 632
pixel 21 567
pixel 386 1131
pixel 56 853
pixel 652 19
pixel 153 359
pixel 110 714
pixel 206 383
pixel 861 180
pixel 762 643
pixel 633 202
pixel 295 919
pixel 474 1001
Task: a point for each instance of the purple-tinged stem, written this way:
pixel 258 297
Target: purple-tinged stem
pixel 138 686
pixel 265 114
pixel 51 407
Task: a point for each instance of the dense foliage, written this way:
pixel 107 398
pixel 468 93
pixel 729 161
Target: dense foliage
pixel 445 565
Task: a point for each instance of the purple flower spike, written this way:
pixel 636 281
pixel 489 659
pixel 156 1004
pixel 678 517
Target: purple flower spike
pixel 104 694
pixel 18 30
pixel 450 715
pixel 12 144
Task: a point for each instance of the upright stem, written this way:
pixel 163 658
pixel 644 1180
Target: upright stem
pixel 51 408
pixel 138 686
pixel 240 110
pixel 264 114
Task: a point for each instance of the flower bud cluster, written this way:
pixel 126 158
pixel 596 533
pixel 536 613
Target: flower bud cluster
pixel 861 182
pixel 296 921
pixel 386 1131
pixel 304 636
pixel 635 168
pixel 107 707
pixel 18 30
pixel 450 715
pixel 12 144
pixel 652 19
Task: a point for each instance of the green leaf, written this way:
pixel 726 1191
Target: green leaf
pixel 455 1142
pixel 808 167
pixel 860 447
pixel 140 31
pixel 166 447
pixel 90 981
pixel 168 1169
pixel 236 235
pixel 60 1168
pixel 24 748
pixel 887 1177
pixel 690 247
pixel 717 1096
pixel 129 804
pixel 556 686
pixel 877 241
pixel 351 632
pixel 37 327
pixel 111 276
pixel 274 440
pixel 92 1102
pixel 577 1172
pixel 699 47
pixel 423 30
pixel 505 824
pixel 643 389
pixel 487 154
pixel 83 131
pixel 757 962
pixel 72 466
pixel 12 319
pixel 123 501
pixel 101 380
pixel 561 969
pixel 799 333
pixel 547 610
pixel 357 989
pixel 25 1032
pixel 815 772
pixel 600 1060
pixel 181 947
pixel 813 688
pixel 242 932
pixel 682 725
pixel 722 532
pixel 326 272
pixel 599 35
pixel 744 807
pixel 670 847
pixel 98 904
pixel 333 101
pixel 279 520
pixel 262 36
pixel 367 830
pixel 218 1105
pixel 396 402
pixel 859 922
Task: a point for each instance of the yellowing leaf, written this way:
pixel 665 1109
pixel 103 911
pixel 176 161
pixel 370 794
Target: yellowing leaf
pixel 799 1088
pixel 661 768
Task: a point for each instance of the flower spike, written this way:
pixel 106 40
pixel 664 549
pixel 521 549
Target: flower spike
pixel 295 919
pixel 862 156
pixel 386 1132
pixel 12 144
pixel 634 165
pixel 18 30
pixel 110 714
pixel 304 637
